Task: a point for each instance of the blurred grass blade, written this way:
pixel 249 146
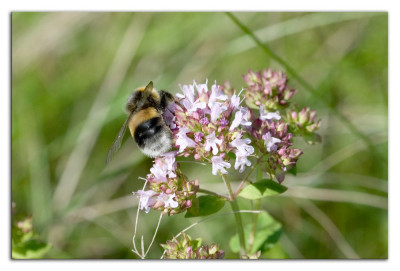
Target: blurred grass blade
pixel 292 26
pixel 98 112
pixel 337 195
pixel 330 228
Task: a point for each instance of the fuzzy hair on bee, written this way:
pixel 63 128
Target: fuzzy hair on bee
pixel 146 107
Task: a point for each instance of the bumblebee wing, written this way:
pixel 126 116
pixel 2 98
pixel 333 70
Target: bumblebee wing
pixel 118 140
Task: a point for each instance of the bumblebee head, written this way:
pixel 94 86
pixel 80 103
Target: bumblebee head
pixel 142 96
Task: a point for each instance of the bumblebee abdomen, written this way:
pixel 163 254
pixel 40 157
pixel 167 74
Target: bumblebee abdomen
pixel 153 137
pixel 146 130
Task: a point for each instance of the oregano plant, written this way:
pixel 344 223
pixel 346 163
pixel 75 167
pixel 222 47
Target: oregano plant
pixel 231 130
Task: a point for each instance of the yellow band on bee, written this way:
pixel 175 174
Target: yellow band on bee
pixel 140 117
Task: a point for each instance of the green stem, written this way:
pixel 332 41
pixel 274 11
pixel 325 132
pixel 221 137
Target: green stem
pixel 238 217
pixel 246 178
pixel 257 204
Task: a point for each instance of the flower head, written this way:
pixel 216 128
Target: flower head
pixel 170 191
pixel 303 123
pixel 268 88
pixel 210 130
pixel 186 248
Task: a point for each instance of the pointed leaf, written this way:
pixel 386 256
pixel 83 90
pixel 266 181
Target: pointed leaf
pixel 205 205
pixel 261 189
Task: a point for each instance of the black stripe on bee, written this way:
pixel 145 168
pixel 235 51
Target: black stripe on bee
pixel 166 98
pixel 147 130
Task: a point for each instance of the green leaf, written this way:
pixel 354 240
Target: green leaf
pixel 32 249
pixel 261 189
pixel 205 205
pixel 267 233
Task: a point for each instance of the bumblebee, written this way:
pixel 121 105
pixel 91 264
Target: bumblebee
pixel 146 107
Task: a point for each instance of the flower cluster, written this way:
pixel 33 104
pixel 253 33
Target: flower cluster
pixel 208 125
pixel 186 248
pixel 170 191
pixel 267 88
pixel 271 135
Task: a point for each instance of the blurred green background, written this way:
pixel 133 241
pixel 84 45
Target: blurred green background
pixel 73 72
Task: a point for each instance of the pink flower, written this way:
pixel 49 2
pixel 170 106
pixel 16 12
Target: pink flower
pixel 218 164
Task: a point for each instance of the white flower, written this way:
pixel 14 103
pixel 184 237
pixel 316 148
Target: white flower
pixel 146 199
pixel 170 163
pixel 242 145
pixel 268 115
pixel 201 87
pixel 159 170
pixel 216 94
pixel 235 100
pixel 216 111
pixel 168 200
pixel 270 142
pixel 189 102
pixel 211 142
pixel 240 119
pixel 219 164
pixel 243 150
pixel 183 140
pixel 241 161
pixel 188 91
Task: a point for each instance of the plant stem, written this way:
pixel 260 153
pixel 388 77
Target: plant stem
pixel 252 237
pixel 238 217
pixel 239 224
pixel 246 178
